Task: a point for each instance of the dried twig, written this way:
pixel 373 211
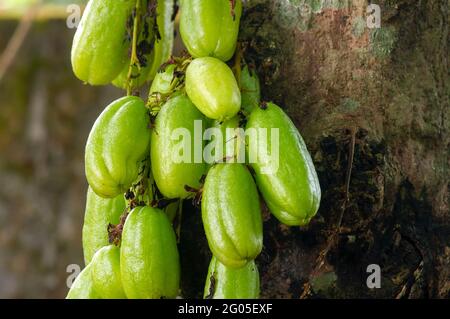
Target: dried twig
pixel 321 259
pixel 17 39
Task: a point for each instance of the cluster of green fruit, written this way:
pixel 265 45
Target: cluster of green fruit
pixel 129 241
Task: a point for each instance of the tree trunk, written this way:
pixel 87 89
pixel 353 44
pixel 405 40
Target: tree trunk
pixel 373 108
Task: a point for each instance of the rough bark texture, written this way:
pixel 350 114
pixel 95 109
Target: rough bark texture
pixel 372 105
pixel 384 93
pixel 382 97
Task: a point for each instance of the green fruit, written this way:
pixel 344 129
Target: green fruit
pixel 228 144
pixel 149 261
pixel 83 287
pixel 227 283
pixel 208 27
pixel 163 47
pixel 99 50
pixel 250 89
pixel 117 145
pixel 231 214
pixel 162 83
pixel 211 86
pixel 139 76
pixel 289 184
pixel 170 170
pixel 100 212
pixel 161 51
pixel 172 210
pixel 105 272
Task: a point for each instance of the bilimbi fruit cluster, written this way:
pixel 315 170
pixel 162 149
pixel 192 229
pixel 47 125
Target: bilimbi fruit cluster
pixel 133 208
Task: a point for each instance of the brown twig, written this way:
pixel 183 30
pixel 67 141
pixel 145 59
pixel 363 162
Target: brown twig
pixel 321 259
pixel 44 12
pixel 17 39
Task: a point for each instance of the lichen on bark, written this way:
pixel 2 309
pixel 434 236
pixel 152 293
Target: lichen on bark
pixel 390 88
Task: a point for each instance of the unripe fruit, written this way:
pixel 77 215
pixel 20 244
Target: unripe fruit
pixel 289 184
pixel 105 272
pixel 149 261
pixel 117 145
pixel 232 215
pixel 211 86
pixel 224 282
pixel 83 287
pixel 210 27
pixel 100 212
pixel 99 50
pixel 170 170
pixel 250 89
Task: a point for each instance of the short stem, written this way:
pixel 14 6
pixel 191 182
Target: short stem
pixel 134 61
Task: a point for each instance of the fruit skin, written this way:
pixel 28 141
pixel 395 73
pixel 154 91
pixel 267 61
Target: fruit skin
pixel 149 261
pixel 211 86
pixel 232 215
pixel 231 141
pixel 100 212
pixel 99 49
pixel 250 89
pixel 172 210
pixel 292 192
pixel 116 146
pixel 105 273
pixel 229 283
pixel 207 27
pixel 82 287
pixel 163 47
pixel 170 176
pixel 161 51
pixel 139 76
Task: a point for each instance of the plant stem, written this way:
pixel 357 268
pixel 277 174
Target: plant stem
pixel 134 61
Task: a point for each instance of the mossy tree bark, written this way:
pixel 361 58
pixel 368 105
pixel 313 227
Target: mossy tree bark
pixel 373 108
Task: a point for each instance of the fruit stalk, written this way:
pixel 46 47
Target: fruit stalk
pixel 134 61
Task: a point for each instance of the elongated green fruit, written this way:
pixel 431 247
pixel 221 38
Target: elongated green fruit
pixel 174 147
pixel 99 49
pixel 149 261
pixel 161 47
pixel 224 282
pixel 116 146
pixel 172 209
pixel 211 86
pixel 105 272
pixel 228 144
pixel 210 27
pixel 100 212
pixel 250 89
pixel 83 287
pixel 232 215
pixel 145 38
pixel 288 183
